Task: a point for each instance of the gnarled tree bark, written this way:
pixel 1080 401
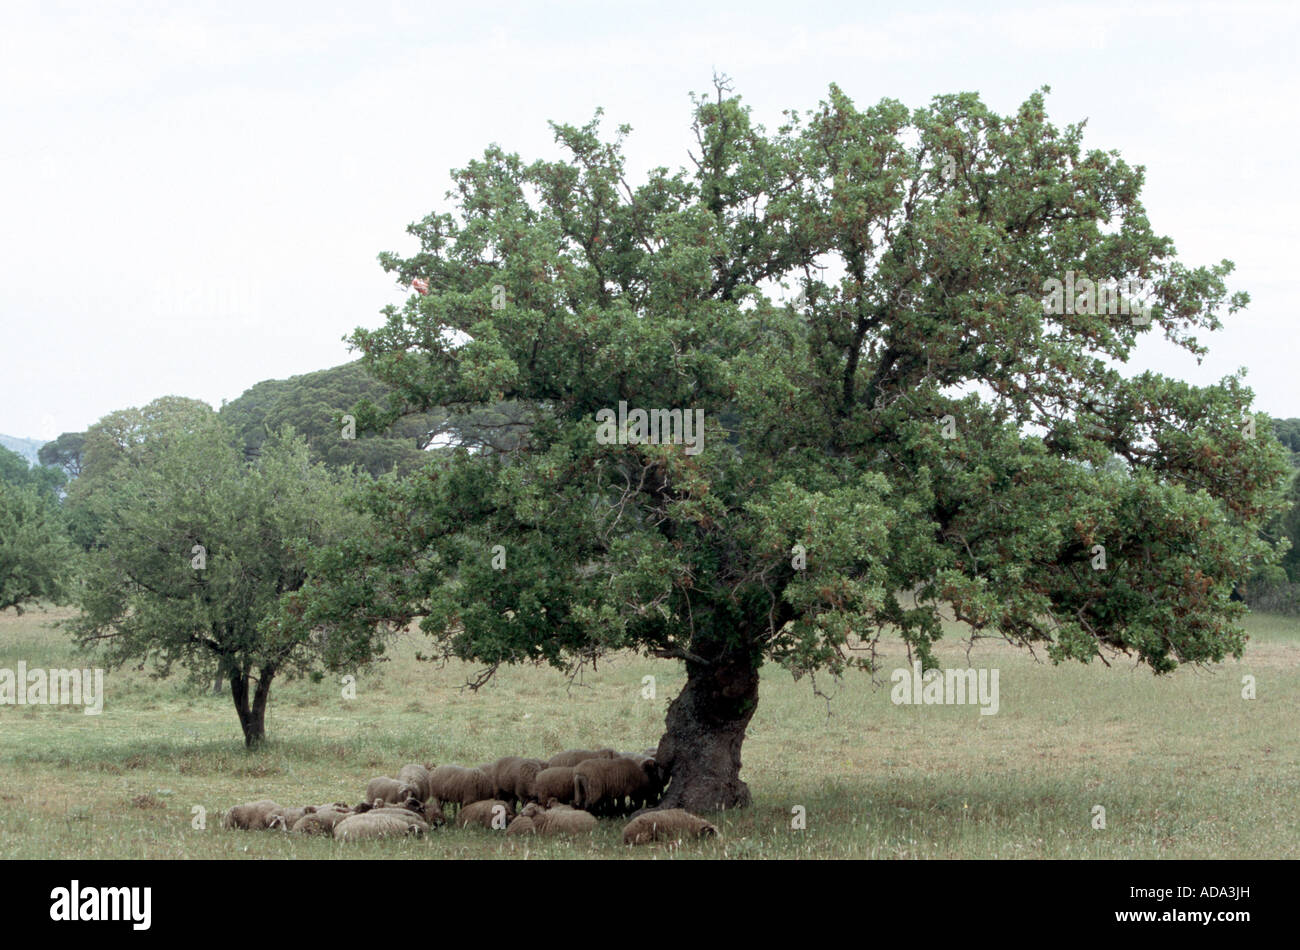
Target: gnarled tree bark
pixel 706 726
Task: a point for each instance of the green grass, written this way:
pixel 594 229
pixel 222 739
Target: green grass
pixel 1184 767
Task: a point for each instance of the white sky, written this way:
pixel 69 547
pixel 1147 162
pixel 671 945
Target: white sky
pixel 192 200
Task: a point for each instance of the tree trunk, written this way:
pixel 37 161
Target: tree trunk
pixel 705 727
pixel 252 719
pixel 219 681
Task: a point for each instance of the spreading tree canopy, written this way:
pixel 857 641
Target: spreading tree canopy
pixel 314 404
pixel 192 548
pixel 898 425
pixel 64 453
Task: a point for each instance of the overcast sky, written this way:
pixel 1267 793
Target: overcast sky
pixel 192 201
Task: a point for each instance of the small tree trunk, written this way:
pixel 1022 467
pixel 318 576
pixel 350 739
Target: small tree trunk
pixel 705 728
pixel 259 703
pixel 252 718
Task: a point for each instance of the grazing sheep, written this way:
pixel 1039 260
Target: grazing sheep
pixel 555 783
pixel 571 757
pixel 526 773
pixel 607 786
pixel 455 785
pixel 559 821
pixel 321 822
pixel 418 778
pixel 254 816
pixel 489 813
pixel 389 789
pixel 513 776
pixel 490 768
pixel 666 824
pixel 373 824
pixel 648 793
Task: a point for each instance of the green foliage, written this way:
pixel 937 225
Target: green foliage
pixel 193 546
pixel 64 453
pixel 1287 432
pixel 46 481
pixel 313 405
pixel 921 242
pixel 36 559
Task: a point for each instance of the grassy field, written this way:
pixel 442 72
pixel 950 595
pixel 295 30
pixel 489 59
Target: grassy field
pixel 1183 765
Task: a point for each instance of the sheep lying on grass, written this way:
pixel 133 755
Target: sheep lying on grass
pixel 559 820
pixel 493 814
pixel 254 816
pixel 522 825
pixel 412 818
pixel 377 823
pixel 669 824
pixel 322 821
pixel 286 818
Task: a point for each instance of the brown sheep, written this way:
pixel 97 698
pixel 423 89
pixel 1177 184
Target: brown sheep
pixel 649 794
pixel 417 777
pixel 490 768
pixel 522 825
pixel 571 757
pixel 526 773
pixel 320 822
pixel 373 824
pixel 666 824
pixel 389 789
pixel 513 776
pixel 412 818
pixel 254 816
pixel 455 785
pixel 555 782
pixel 429 811
pixel 286 818
pixel 606 786
pixel 559 821
pixel 493 814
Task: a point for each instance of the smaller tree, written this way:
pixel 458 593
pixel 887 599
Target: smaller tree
pixel 64 453
pixel 196 547
pixel 36 559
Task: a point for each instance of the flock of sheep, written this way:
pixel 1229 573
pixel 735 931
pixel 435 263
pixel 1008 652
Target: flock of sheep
pixel 563 795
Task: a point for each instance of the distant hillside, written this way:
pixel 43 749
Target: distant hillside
pixel 27 448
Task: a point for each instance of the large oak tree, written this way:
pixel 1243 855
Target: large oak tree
pixel 916 426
